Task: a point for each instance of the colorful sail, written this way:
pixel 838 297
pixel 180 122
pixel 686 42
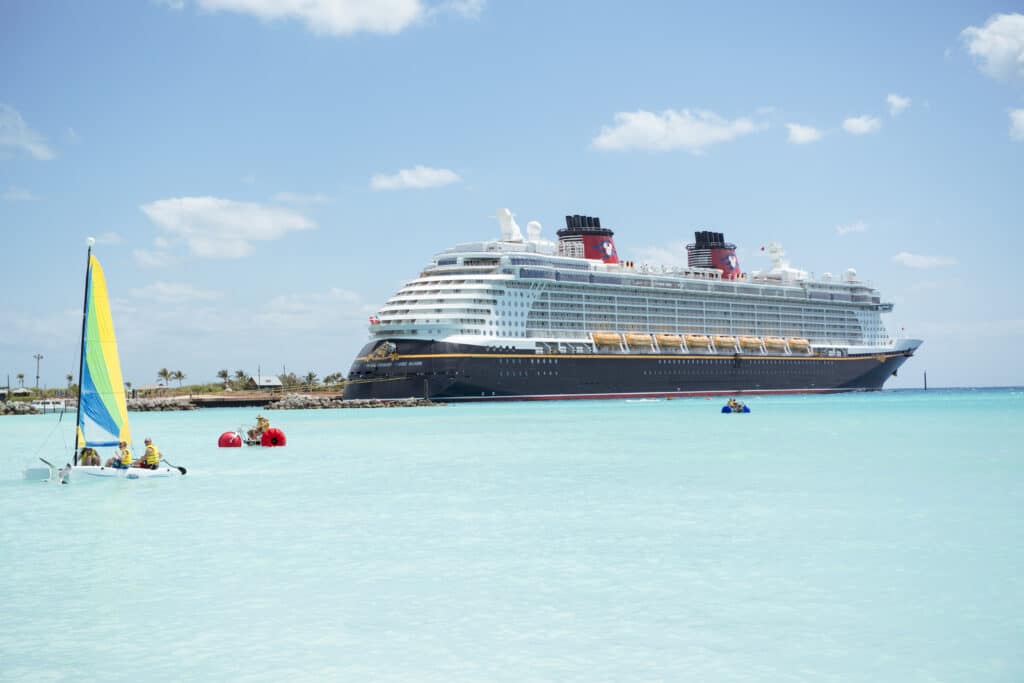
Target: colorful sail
pixel 103 414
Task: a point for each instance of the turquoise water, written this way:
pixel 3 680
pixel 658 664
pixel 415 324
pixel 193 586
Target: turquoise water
pixel 873 537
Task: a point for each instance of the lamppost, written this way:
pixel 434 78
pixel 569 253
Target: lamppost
pixel 38 358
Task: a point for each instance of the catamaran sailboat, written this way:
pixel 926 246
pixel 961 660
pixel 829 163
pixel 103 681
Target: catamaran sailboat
pixel 102 417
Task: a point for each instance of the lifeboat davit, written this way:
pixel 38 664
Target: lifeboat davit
pixel 230 440
pixel 273 437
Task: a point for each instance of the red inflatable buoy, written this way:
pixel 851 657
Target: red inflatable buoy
pixel 230 440
pixel 273 437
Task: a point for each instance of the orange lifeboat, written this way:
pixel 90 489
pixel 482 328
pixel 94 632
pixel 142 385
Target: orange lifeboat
pixel 724 342
pixel 698 340
pixel 636 339
pixel 669 341
pixel 775 343
pixel 750 343
pixel 798 344
pixel 607 339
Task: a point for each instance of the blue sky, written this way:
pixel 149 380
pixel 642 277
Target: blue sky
pixel 261 175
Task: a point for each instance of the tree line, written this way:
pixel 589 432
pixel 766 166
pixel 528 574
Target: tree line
pixel 288 379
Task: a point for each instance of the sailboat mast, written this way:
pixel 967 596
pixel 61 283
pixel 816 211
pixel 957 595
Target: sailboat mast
pixel 81 348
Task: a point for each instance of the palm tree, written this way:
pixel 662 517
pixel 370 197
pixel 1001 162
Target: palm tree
pixel 334 378
pixel 21 379
pixel 240 375
pixel 70 378
pixel 311 378
pixel 178 375
pixel 128 386
pixel 164 374
pixel 223 375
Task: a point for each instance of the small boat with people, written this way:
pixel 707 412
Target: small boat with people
pixel 734 406
pixel 102 413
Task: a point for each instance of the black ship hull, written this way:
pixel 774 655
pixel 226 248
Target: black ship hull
pixel 399 368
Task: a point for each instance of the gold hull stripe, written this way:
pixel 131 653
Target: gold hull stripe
pixel 646 356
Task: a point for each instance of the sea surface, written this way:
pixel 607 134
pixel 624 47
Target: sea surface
pixel 862 537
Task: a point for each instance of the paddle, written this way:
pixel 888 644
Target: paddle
pixel 180 469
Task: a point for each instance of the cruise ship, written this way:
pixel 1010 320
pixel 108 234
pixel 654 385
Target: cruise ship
pixel 521 318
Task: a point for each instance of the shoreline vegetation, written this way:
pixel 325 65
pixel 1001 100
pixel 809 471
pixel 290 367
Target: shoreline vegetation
pixel 286 391
pixel 262 400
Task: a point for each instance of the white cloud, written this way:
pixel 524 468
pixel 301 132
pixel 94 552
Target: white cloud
pixel 802 135
pixel 17 194
pixel 146 258
pixel 310 312
pixel 674 255
pixel 861 125
pixel 921 261
pixel 998 46
pixel 109 238
pixel 690 130
pixel 299 198
pixel 15 133
pixel 1017 124
pixel 173 292
pixel 330 17
pixel 415 178
pixel 172 4
pixel 470 9
pixel 858 226
pixel 43 329
pixel 897 103
pixel 222 228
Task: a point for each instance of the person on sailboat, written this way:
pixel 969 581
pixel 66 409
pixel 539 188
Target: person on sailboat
pixel 123 459
pixel 151 458
pixel 89 457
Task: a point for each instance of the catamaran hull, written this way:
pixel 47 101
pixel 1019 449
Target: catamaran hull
pixel 450 372
pixel 83 472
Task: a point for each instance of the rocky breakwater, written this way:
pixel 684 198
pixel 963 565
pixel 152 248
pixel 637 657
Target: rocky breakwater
pixel 143 405
pixel 312 401
pixel 18 408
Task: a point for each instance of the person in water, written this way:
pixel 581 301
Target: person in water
pixel 89 457
pixel 151 458
pixel 123 459
pixel 735 405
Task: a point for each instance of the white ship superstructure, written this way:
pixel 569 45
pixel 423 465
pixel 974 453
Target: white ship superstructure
pixel 521 293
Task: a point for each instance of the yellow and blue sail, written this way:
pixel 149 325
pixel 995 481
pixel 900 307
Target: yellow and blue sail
pixel 103 414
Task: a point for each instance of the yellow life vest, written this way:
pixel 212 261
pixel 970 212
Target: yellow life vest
pixel 152 455
pixel 126 457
